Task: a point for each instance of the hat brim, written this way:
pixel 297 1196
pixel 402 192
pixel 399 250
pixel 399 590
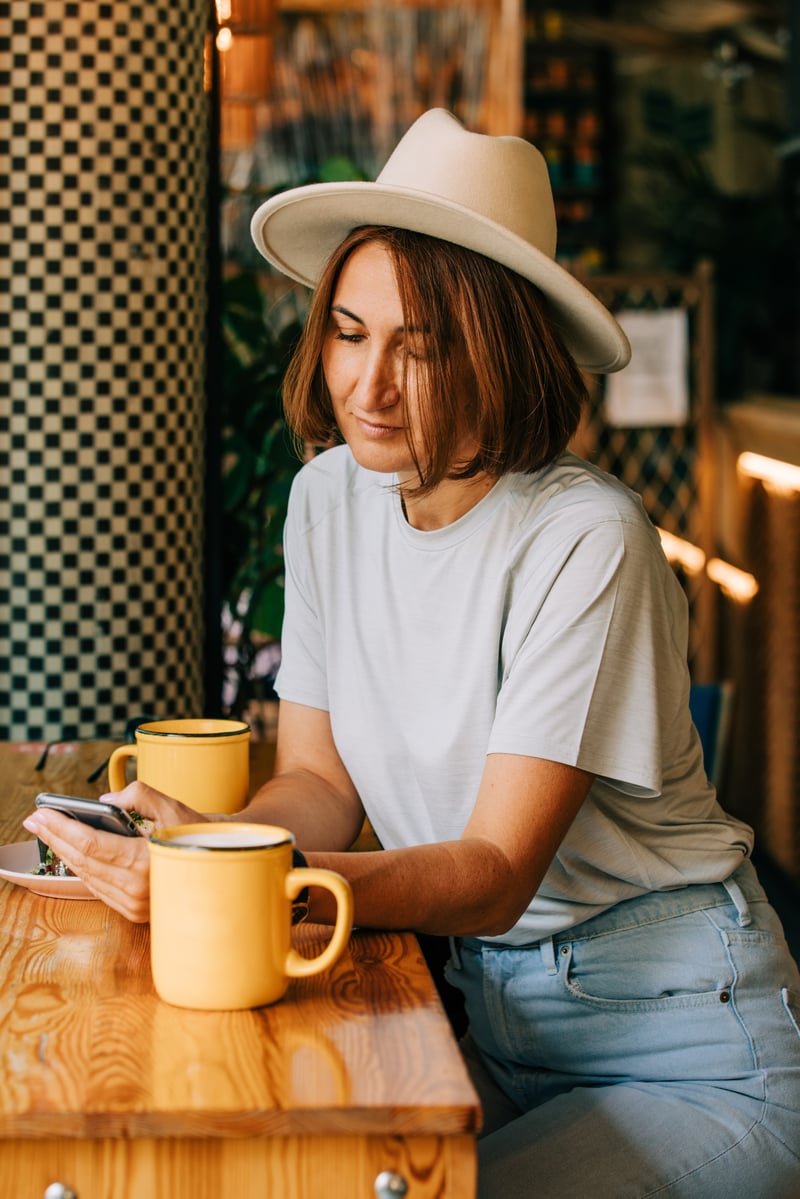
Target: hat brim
pixel 298 230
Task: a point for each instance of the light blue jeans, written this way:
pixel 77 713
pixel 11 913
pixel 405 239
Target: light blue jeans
pixel 653 1050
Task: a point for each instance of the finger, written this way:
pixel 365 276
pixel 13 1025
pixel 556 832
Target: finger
pixel 82 847
pixel 153 804
pixel 114 868
pixel 136 796
pixel 60 832
pixel 134 907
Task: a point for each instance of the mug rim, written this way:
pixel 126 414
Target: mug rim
pixel 161 836
pixel 239 727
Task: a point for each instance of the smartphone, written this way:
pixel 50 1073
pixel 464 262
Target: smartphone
pixel 105 816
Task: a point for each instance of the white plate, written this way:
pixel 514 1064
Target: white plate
pixel 19 860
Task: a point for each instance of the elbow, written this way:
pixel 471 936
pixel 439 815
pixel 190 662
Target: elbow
pixel 500 915
pixel 496 926
pixel 501 897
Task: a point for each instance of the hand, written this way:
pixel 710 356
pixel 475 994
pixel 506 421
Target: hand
pixel 116 869
pixel 165 812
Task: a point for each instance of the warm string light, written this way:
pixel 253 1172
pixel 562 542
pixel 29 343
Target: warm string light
pixel 774 474
pixel 689 556
pixel 736 584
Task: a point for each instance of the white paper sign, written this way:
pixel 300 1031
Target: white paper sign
pixel 653 389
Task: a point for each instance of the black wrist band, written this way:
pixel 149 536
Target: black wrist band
pixel 300 902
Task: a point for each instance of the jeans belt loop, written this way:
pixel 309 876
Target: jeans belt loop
pixel 548 952
pixel 455 952
pixel 739 901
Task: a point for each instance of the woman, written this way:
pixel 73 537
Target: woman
pixel 485 651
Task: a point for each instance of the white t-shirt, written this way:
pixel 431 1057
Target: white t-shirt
pixel 544 622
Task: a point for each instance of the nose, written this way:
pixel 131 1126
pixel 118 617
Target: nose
pixel 379 382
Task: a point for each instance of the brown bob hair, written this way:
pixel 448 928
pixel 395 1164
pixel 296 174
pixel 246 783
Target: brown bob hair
pixel 526 395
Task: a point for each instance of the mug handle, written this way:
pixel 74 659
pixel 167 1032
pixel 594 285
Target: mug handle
pixel 296 965
pixel 117 780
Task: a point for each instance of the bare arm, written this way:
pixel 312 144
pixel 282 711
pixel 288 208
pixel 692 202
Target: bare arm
pixel 478 885
pixel 481 884
pixel 310 792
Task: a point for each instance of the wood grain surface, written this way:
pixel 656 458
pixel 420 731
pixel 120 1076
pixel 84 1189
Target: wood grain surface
pixel 353 1069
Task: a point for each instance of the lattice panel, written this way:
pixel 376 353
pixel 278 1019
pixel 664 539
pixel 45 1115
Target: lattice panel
pixel 671 467
pixel 103 199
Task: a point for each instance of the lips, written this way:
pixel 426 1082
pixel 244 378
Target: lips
pixel 373 429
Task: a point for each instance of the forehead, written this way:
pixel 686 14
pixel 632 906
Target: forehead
pixel 368 269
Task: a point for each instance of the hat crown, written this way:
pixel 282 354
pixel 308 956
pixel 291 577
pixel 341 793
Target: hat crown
pixel 491 195
pixel 483 174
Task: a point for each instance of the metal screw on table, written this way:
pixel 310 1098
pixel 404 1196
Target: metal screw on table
pixel 389 1185
pixel 60 1190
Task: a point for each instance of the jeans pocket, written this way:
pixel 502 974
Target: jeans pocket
pixel 668 964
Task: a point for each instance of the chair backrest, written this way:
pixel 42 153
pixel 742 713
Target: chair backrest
pixel 711 705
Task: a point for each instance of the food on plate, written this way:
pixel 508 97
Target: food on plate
pixel 144 824
pixel 50 863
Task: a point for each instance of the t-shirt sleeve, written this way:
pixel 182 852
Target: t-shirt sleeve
pixel 302 676
pixel 591 659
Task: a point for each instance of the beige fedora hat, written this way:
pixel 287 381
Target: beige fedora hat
pixel 489 194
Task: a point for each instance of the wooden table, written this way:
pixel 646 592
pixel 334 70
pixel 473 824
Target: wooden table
pixel 107 1089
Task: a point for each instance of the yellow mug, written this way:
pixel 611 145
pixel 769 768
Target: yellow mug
pixel 203 763
pixel 221 915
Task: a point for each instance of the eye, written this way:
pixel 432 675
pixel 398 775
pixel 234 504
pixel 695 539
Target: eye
pixel 341 328
pixel 417 351
pixel 416 344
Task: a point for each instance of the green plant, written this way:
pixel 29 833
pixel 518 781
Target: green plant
pixel 259 463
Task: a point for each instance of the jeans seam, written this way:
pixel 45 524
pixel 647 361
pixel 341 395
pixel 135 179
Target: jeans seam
pixel 494 1003
pixel 659 1190
pixel 786 994
pixel 567 936
pixel 723 935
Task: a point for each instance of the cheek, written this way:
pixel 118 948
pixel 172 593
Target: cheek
pixel 327 361
pixel 339 376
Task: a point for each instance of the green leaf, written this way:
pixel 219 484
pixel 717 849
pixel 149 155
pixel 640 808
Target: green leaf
pixel 266 611
pixel 339 169
pixel 236 483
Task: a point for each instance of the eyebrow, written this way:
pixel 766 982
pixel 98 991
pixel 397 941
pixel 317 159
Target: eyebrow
pixel 359 320
pixel 346 312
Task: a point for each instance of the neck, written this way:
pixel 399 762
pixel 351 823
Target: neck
pixel 452 499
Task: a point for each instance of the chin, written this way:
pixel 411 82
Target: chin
pixel 381 459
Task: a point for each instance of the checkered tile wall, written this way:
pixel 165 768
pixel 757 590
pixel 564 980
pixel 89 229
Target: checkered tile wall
pixel 103 231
